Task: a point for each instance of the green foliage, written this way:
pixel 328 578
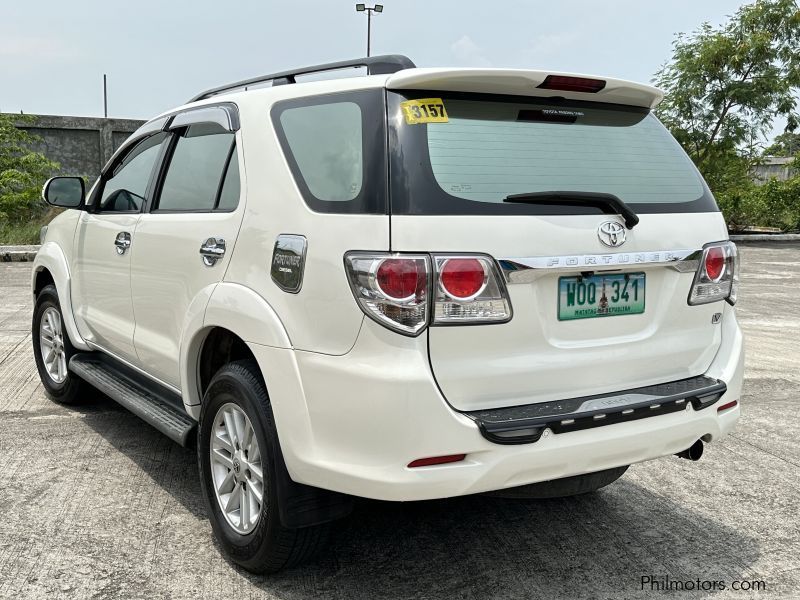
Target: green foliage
pixel 774 204
pixel 785 144
pixel 22 173
pixel 725 86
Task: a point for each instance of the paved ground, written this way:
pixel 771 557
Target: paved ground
pixel 97 504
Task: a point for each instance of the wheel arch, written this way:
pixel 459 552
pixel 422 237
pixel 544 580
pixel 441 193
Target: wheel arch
pixel 50 266
pixel 220 323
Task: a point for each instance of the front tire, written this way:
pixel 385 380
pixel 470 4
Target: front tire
pixel 52 350
pixel 237 444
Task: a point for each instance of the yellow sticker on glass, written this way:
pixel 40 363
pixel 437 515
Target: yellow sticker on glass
pixel 424 110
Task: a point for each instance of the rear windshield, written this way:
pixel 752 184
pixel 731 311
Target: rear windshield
pixel 487 148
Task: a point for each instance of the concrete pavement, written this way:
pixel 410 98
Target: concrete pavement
pixel 97 504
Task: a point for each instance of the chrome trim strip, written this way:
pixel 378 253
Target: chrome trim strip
pixel 135 368
pixel 525 270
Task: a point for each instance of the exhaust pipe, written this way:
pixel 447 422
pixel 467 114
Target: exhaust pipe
pixel 694 452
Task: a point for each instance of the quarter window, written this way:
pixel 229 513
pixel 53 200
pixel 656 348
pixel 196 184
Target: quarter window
pixel 196 168
pixel 326 143
pixel 124 190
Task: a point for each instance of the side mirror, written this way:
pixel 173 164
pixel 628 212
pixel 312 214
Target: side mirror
pixel 66 192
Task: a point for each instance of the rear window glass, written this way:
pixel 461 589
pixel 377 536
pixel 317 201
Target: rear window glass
pixel 488 150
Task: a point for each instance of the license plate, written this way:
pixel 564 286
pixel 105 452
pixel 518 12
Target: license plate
pixel 600 296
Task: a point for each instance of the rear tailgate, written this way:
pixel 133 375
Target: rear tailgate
pixel 536 357
pixel 450 174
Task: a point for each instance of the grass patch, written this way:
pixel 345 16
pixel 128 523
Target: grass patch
pixel 21 234
pixel 25 234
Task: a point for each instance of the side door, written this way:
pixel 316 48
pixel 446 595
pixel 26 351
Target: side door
pixel 185 240
pixel 104 240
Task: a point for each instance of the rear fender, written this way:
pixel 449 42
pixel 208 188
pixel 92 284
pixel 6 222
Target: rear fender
pixel 233 307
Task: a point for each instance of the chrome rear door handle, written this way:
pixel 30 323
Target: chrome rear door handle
pixel 122 242
pixel 212 250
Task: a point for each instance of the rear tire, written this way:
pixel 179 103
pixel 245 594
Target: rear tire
pixel 236 409
pixel 563 488
pixel 52 350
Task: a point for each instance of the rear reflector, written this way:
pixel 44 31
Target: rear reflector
pixel 572 84
pixel 436 460
pixel 728 405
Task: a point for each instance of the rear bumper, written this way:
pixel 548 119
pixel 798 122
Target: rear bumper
pixel 352 423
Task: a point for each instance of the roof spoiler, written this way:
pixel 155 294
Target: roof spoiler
pixel 523 82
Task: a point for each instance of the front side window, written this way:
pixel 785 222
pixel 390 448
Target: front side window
pixel 492 147
pixel 196 168
pixel 336 149
pixel 124 190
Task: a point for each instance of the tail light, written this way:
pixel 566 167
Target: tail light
pixel 391 288
pixel 717 276
pixel 469 290
pixel 407 292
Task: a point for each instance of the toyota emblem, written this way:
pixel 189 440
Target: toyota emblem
pixel 611 233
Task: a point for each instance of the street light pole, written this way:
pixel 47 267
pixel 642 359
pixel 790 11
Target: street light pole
pixel 378 8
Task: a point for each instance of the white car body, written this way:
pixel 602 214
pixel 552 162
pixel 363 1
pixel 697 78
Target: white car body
pixel 355 402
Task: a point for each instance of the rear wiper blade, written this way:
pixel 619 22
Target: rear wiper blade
pixel 588 198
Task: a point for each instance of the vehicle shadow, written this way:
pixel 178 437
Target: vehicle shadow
pixel 598 545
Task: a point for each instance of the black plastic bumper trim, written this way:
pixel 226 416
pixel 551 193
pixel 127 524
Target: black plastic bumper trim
pixel 524 424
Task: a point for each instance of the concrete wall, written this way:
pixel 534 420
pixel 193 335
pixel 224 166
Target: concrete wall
pixel 82 145
pixel 773 167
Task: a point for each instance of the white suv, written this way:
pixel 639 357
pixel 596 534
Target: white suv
pixel 416 284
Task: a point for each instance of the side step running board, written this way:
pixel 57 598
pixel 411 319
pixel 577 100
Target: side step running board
pixel 156 405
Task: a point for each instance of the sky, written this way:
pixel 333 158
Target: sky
pixel 158 54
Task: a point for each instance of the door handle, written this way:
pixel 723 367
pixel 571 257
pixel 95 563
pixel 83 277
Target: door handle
pixel 212 250
pixel 122 242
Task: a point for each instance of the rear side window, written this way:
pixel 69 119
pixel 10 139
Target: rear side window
pixel 492 147
pixel 335 146
pixel 325 140
pixel 196 169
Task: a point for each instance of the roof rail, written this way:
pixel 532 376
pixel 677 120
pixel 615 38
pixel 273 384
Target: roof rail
pixel 376 65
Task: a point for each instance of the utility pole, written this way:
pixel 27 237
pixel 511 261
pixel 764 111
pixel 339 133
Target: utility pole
pixel 378 8
pixel 105 97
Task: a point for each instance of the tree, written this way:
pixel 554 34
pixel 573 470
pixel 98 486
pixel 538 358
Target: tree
pixel 785 144
pixel 725 86
pixel 22 172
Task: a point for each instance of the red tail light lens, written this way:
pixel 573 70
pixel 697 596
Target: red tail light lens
pixel 715 263
pixel 400 278
pixel 572 84
pixel 462 278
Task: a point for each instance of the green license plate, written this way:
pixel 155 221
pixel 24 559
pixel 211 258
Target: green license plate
pixel 600 296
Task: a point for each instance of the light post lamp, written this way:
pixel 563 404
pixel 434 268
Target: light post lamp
pixel 378 8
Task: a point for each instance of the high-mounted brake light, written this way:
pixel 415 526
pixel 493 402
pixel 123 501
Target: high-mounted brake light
pixel 408 292
pixel 717 276
pixel 567 83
